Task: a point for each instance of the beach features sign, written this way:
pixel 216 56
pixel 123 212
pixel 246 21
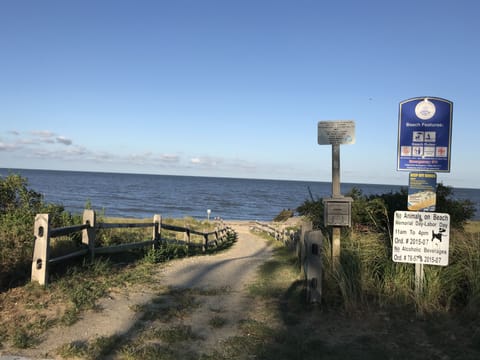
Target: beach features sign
pixel 424 134
pixel 421 238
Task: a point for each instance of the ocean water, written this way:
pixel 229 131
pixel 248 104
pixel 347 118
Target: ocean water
pixel 142 196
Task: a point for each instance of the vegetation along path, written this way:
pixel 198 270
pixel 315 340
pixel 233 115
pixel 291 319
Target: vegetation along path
pixel 195 305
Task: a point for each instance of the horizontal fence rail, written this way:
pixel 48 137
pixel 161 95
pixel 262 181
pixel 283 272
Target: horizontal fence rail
pixel 44 233
pixel 307 244
pixel 277 231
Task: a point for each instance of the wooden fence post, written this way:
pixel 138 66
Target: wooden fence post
pixel 313 265
pixel 306 226
pixel 157 228
pixel 205 246
pixel 187 239
pixel 41 251
pixel 88 234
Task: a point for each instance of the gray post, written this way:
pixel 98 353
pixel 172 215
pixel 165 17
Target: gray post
pixel 42 249
pixel 187 239
pixel 157 228
pixel 336 193
pixel 88 235
pixel 306 226
pixel 205 246
pixel 313 265
pixel 419 279
pixel 336 170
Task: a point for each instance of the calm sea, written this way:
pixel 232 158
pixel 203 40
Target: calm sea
pixel 142 196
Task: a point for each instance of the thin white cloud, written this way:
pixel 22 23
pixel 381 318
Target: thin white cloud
pixel 102 156
pixel 27 141
pixel 7 147
pixel 47 146
pixel 43 133
pixel 206 161
pixel 168 158
pixel 76 151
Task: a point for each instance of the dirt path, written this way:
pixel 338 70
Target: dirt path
pixel 211 287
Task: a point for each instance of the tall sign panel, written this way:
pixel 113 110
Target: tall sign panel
pixel 424 148
pixel 425 134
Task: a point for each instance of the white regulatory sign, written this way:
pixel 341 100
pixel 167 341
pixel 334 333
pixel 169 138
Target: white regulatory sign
pixel 336 132
pixel 421 237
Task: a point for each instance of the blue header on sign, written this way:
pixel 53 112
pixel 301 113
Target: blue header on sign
pixel 424 134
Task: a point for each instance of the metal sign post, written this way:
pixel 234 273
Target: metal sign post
pixel 337 210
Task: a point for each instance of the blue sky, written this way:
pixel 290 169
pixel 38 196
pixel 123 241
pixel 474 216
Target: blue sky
pixel 232 88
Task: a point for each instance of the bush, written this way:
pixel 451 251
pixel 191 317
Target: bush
pixel 284 215
pixel 375 212
pixel 18 207
pixel 367 275
pixel 313 211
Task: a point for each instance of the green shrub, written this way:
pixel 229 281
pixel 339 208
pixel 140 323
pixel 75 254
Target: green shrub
pixel 375 212
pixel 284 215
pixel 18 207
pixel 367 276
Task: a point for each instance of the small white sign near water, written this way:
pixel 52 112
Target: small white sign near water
pixel 421 238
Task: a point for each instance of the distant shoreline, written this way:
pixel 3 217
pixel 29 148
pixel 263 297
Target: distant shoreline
pixel 218 177
pixel 172 196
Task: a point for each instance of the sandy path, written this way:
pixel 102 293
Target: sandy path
pixel 233 268
pixel 231 271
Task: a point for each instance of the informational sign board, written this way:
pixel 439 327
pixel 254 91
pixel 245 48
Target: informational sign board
pixel 338 211
pixel 421 238
pixel 424 134
pixel 422 191
pixel 336 132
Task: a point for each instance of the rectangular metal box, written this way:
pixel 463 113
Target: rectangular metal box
pixel 338 211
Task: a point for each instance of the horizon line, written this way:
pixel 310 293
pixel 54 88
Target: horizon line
pixel 216 177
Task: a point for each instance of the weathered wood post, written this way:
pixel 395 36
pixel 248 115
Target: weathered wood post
pixel 337 210
pixel 157 228
pixel 306 226
pixel 88 234
pixel 187 238
pixel 205 246
pixel 336 192
pixel 41 250
pixel 313 265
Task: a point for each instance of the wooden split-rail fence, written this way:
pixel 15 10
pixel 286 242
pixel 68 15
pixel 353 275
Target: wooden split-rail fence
pixel 278 231
pixel 307 243
pixel 43 233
